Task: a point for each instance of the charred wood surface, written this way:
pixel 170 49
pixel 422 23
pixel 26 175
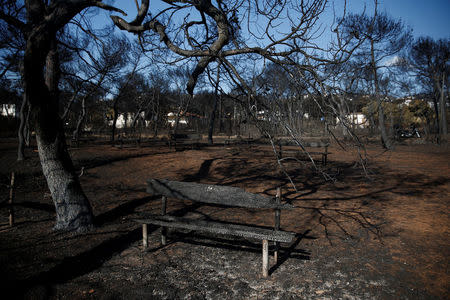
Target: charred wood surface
pixel 245 231
pixel 214 194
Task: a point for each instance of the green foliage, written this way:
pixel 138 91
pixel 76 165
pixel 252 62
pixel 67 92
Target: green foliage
pixel 421 111
pixel 416 112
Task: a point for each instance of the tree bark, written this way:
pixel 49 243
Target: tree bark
pixel 73 211
pixel 343 113
pixel 385 141
pixel 177 120
pixel 181 110
pixel 437 118
pixel 27 130
pixel 115 116
pixel 213 112
pixel 22 129
pixel 156 117
pixel 76 132
pixel 212 119
pixel 443 108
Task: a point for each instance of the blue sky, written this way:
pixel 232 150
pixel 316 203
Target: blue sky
pixel 425 17
pixel 430 17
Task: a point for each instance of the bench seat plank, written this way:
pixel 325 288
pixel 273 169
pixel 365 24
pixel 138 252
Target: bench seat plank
pixel 214 194
pixel 244 231
pixel 312 144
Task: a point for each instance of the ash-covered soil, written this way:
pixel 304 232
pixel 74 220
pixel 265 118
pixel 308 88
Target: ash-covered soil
pixel 386 237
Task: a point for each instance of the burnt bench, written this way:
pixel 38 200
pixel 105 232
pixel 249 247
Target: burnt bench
pixel 128 140
pixel 217 195
pixel 322 150
pixel 180 141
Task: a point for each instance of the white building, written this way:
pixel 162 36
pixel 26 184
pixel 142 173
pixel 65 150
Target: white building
pixel 355 119
pixel 8 110
pixel 128 117
pixel 171 118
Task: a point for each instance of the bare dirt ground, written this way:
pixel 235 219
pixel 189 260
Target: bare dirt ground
pixel 386 237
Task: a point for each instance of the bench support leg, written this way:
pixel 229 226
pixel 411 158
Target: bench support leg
pixel 163 212
pixel 277 223
pixel 265 258
pixel 275 253
pixel 144 236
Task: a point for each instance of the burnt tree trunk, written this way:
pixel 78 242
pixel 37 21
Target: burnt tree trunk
pixel 212 120
pixel 73 211
pixel 443 108
pixel 214 109
pixel 177 119
pixel 81 117
pixel 22 131
pixel 385 141
pixel 115 116
pixel 437 118
pixel 27 129
pixel 156 118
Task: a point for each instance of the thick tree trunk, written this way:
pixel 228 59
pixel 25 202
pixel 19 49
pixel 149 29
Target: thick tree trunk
pixel 73 211
pixel 177 118
pixel 22 131
pixel 384 136
pixel 442 108
pixel 155 129
pixel 214 109
pixel 115 116
pixel 437 118
pixel 221 125
pixel 125 121
pixel 343 112
pixel 212 119
pixel 27 130
pixel 156 118
pixel 391 125
pixel 371 121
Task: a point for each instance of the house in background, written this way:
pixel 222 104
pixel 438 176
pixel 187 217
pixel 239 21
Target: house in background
pixel 9 110
pixel 355 119
pixel 126 119
pixel 171 119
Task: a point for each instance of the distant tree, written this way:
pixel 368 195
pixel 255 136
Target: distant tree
pixel 180 100
pixel 214 33
pixel 279 92
pixel 134 97
pixel 422 114
pixel 12 45
pixel 219 35
pixel 124 85
pixel 215 82
pixel 383 38
pixel 242 36
pixel 429 60
pixel 93 76
pixel 157 105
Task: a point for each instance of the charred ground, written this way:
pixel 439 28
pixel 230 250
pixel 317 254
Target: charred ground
pixel 384 237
